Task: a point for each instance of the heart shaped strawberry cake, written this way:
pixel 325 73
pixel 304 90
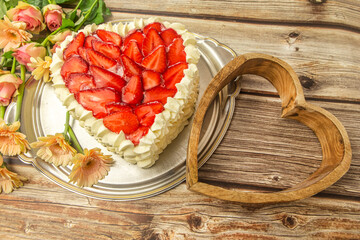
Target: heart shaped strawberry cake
pixel 133 86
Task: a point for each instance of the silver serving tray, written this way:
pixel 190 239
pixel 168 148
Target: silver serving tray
pixel 43 114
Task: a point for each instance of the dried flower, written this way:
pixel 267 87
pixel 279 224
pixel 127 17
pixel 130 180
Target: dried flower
pixel 9 83
pixel 24 53
pixel 2 72
pixel 54 149
pixel 53 15
pixel 12 142
pixel 28 14
pixel 41 68
pixel 12 34
pixel 90 167
pixel 8 179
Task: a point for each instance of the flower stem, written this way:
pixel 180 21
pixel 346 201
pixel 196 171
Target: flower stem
pixel 2 111
pixel 13 67
pixel 75 141
pixel 88 12
pixel 78 5
pixel 66 126
pixel 46 40
pixel 21 94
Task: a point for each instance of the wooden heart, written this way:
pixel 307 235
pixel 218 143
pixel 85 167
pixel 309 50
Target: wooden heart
pixel 331 133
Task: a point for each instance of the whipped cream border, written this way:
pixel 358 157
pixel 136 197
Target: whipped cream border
pixel 167 124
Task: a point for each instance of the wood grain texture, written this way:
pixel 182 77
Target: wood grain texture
pixel 325 60
pixel 280 153
pixel 344 14
pixel 43 210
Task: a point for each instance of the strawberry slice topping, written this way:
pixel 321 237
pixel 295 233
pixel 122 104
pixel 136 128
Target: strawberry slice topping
pixel 108 36
pixel 95 100
pixel 79 81
pixel 74 45
pixel 146 112
pixel 137 36
pixel 176 52
pixel 133 91
pixel 130 67
pixel 138 134
pixel 156 25
pixel 151 79
pixel 151 41
pixel 113 107
pixel 174 74
pixel 88 41
pixel 133 52
pixel 156 60
pixel 125 82
pixel 99 59
pixel 108 49
pixel 121 121
pixel 158 94
pixel 74 64
pixel 168 36
pixel 105 78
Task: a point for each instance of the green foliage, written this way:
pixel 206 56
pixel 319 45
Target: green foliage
pixel 2 9
pixel 97 14
pixel 11 3
pixel 38 3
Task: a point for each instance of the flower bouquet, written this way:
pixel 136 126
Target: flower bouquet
pixel 30 31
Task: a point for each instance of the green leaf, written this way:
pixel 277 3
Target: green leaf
pixel 64 1
pixel 8 54
pixel 11 3
pixel 3 9
pixel 38 3
pixel 98 13
pixel 67 23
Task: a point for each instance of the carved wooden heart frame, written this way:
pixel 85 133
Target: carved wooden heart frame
pixel 331 133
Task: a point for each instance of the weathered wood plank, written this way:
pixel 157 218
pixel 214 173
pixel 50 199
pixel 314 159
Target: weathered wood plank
pixel 337 13
pixel 43 210
pixel 261 149
pixel 326 60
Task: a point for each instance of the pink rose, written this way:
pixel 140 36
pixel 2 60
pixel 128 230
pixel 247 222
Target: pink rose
pixel 28 14
pixel 24 53
pixel 53 15
pixel 9 83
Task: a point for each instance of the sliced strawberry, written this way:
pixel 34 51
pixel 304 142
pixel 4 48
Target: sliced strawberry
pixel 108 49
pixel 174 74
pixel 74 45
pixel 168 36
pixel 95 100
pixel 113 107
pixel 158 94
pixel 136 35
pixel 133 91
pixel 105 78
pixel 138 134
pixel 107 36
pixel 99 59
pixel 156 25
pixel 146 112
pixel 156 60
pixel 151 41
pixel 130 67
pixel 121 121
pixel 74 64
pixel 150 79
pixel 82 53
pixel 88 41
pixel 176 52
pixel 79 81
pixel 132 51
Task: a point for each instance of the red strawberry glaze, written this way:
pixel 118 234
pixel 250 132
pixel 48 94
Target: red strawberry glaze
pixel 125 81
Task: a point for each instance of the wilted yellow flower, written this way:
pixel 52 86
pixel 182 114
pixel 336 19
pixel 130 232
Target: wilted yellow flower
pixel 41 68
pixel 2 72
pixel 90 167
pixel 12 34
pixel 12 142
pixel 54 149
pixel 9 180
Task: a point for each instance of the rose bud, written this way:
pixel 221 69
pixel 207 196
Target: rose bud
pixel 24 53
pixel 9 83
pixel 53 15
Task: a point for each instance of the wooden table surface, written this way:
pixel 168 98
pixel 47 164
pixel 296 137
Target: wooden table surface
pixel 321 41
